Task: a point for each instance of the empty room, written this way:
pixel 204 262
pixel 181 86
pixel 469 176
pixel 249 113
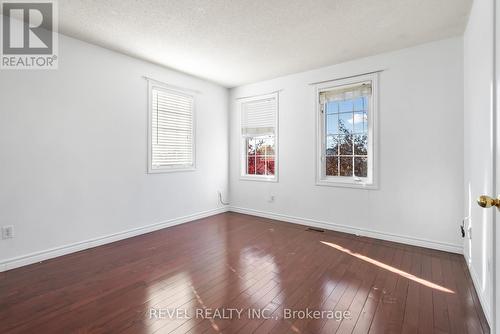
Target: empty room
pixel 230 166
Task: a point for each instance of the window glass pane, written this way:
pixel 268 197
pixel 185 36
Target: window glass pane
pixel 260 147
pixel 346 105
pixel 332 107
pixel 359 104
pixel 332 122
pixel 270 165
pixel 361 167
pixel 346 145
pixel 361 144
pixel 332 166
pixel 260 165
pixel 360 118
pixel 269 145
pixel 251 165
pixel 260 155
pixel 345 123
pixel 345 166
pixel 332 145
pixel 250 146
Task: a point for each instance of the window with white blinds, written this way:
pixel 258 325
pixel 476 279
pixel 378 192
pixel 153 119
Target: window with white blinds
pixel 172 130
pixel 259 132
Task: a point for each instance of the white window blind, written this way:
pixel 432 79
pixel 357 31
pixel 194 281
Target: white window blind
pixel 171 129
pixel 346 93
pixel 258 117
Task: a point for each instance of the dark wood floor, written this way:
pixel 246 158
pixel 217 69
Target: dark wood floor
pixel 234 261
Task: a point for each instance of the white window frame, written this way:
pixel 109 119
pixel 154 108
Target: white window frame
pixel 243 149
pixel 153 84
pixel 371 181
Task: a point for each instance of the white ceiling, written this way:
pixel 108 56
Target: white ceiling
pixel 234 42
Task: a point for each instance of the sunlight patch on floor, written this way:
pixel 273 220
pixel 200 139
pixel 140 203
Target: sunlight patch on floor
pixel 389 268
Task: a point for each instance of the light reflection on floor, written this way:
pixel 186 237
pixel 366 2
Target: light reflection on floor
pixel 389 268
pixel 263 265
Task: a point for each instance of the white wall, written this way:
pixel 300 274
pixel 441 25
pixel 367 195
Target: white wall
pixel 420 149
pixel 73 151
pixel 478 164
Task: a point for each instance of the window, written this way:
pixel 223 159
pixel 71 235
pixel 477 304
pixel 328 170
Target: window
pixel 171 135
pixel 347 110
pixel 259 133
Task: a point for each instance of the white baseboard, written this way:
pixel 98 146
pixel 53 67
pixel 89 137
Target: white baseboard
pixel 24 260
pixel 477 285
pixel 353 230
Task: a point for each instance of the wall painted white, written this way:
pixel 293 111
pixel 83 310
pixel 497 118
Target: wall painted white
pixel 73 153
pixel 73 142
pixel 478 164
pixel 420 151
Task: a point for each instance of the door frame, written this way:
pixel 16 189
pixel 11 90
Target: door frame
pixel 496 167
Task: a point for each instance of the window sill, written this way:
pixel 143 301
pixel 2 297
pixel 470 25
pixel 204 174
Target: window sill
pixel 259 178
pixel 347 184
pixel 171 170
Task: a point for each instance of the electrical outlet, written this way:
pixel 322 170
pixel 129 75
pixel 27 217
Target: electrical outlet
pixel 270 199
pixel 7 232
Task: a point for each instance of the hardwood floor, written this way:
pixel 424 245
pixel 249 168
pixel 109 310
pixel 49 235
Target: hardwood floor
pixel 234 262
